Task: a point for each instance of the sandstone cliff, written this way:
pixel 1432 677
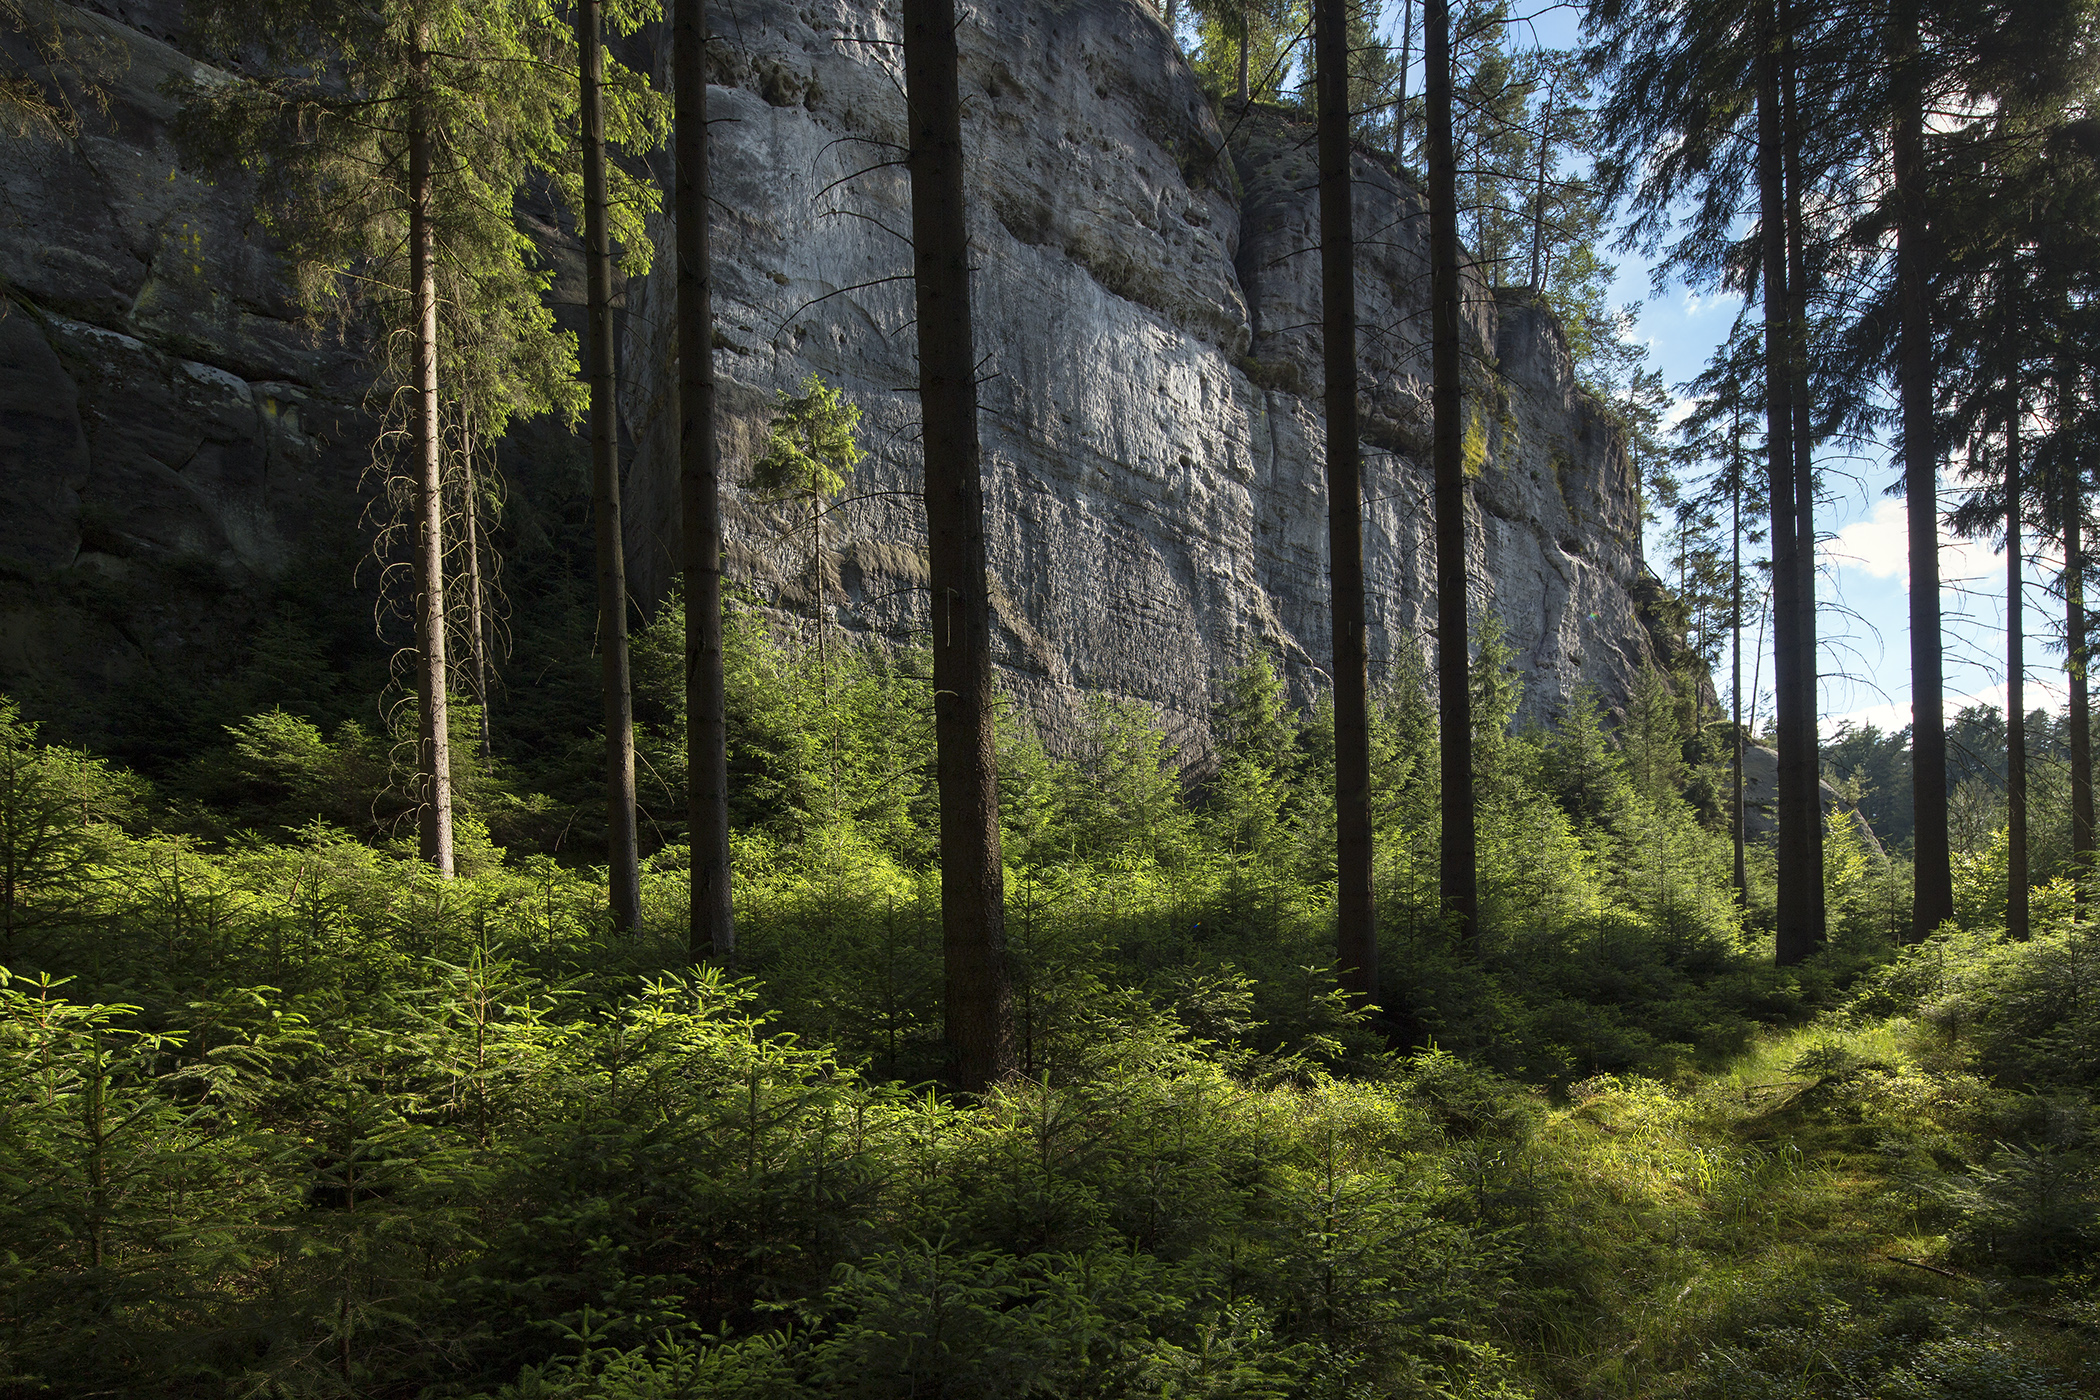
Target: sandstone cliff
pixel 1148 322
pixel 1148 303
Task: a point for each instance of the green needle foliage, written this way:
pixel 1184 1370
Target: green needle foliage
pixel 811 446
pixel 290 1115
pixel 320 117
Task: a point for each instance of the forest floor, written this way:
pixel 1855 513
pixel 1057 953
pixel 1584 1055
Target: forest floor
pixel 1816 1176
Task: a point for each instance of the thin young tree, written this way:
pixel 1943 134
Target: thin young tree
pixel 978 1001
pixel 389 143
pixel 711 926
pixel 1357 928
pixel 1458 869
pixel 433 752
pixel 622 832
pixel 1723 395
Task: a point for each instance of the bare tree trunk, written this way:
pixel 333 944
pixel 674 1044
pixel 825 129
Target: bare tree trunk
pixel 434 747
pixel 1538 208
pixel 477 602
pixel 711 929
pixel 1407 46
pixel 2016 909
pixel 1457 871
pixel 1357 919
pixel 1799 814
pixel 1804 474
pixel 978 1008
pixel 2075 653
pixel 1246 38
pixel 623 847
pixel 1933 902
pixel 1735 684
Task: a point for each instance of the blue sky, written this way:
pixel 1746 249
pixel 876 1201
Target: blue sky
pixel 1863 619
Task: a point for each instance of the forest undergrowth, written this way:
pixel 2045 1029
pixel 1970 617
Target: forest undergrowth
pixel 283 1114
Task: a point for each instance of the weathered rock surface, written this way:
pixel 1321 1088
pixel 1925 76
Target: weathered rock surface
pixel 171 439
pixel 1148 312
pixel 1761 798
pixel 168 435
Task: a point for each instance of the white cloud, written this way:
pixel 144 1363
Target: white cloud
pixel 1879 547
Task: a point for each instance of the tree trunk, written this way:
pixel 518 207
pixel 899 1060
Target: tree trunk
pixel 1357 925
pixel 1933 902
pixel 2016 912
pixel 477 598
pixel 978 1004
pixel 1538 208
pixel 1735 684
pixel 1811 855
pixel 711 929
pixel 1246 38
pixel 1407 47
pixel 1798 813
pixel 1457 870
pixel 623 854
pixel 2075 655
pixel 434 747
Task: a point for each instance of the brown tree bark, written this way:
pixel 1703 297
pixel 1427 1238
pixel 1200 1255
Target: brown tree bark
pixel 1933 900
pixel 711 929
pixel 477 597
pixel 434 747
pixel 1458 867
pixel 1735 685
pixel 2075 654
pixel 623 853
pixel 1356 909
pixel 1537 279
pixel 1407 46
pixel 978 1009
pixel 1803 405
pixel 2016 906
pixel 1799 815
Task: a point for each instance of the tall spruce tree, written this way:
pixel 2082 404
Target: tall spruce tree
pixel 2016 864
pixel 1933 876
pixel 1458 869
pixel 1696 134
pixel 622 831
pixel 2077 651
pixel 1357 925
pixel 2005 202
pixel 711 925
pixel 389 143
pixel 978 1004
pixel 1726 397
pixel 1798 810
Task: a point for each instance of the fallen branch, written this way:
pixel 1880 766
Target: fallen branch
pixel 1929 1268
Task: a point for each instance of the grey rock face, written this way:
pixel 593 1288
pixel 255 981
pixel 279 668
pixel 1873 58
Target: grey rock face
pixel 1147 310
pixel 1148 320
pixel 167 433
